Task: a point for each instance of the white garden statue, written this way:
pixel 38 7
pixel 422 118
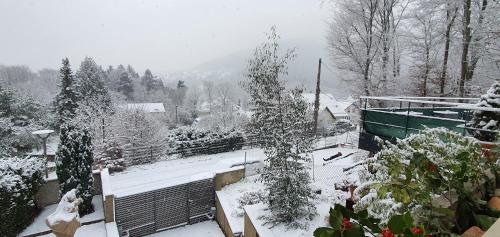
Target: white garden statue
pixel 65 220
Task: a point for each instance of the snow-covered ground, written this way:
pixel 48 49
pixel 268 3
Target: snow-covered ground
pixel 39 226
pixel 326 175
pixel 170 172
pixel 166 173
pixel 93 230
pixel 202 229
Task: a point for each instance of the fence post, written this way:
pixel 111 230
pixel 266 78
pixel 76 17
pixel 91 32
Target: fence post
pixel 245 165
pixel 151 152
pixel 313 166
pixel 407 118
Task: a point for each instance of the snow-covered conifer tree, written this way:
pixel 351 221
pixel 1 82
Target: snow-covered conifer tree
pixel 74 164
pixel 487 119
pixel 66 100
pixel 282 122
pixel 91 85
pixel 125 86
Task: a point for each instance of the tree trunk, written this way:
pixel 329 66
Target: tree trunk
pixel 474 54
pixel 465 47
pixel 442 79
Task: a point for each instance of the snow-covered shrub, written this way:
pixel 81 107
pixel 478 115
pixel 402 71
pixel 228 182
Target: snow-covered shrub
pixel 192 141
pixel 251 198
pixel 74 160
pixel 110 156
pixel 341 126
pixel 488 120
pixel 20 180
pixel 407 176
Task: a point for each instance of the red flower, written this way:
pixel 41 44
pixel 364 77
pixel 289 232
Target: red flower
pixel 346 224
pixel 417 231
pixel 386 232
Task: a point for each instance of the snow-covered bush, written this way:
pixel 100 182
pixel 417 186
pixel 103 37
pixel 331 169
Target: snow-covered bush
pixel 20 180
pixel 407 176
pixel 250 198
pixel 74 160
pixel 191 141
pixel 110 156
pixel 488 120
pixel 341 126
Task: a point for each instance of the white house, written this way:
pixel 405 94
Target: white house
pixel 145 107
pixel 331 110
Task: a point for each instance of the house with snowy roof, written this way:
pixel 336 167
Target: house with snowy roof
pixel 145 107
pixel 331 110
pixel 152 110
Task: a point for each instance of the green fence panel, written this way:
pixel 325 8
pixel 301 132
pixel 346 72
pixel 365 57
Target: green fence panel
pixel 394 123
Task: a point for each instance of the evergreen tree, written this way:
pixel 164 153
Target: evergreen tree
pixel 91 85
pixel 74 159
pixel 281 120
pixel 66 101
pixel 147 80
pixel 131 71
pixel 488 120
pixel 125 86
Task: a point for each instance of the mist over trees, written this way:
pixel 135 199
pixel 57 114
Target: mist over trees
pixel 425 48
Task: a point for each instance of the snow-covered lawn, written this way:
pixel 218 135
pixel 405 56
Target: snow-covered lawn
pixel 165 173
pixel 326 176
pixel 142 178
pixel 39 226
pixel 202 229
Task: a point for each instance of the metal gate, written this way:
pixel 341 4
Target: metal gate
pixel 149 212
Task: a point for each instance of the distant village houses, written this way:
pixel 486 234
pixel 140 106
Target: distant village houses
pixel 332 110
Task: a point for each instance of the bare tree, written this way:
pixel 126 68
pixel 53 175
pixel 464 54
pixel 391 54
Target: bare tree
pixel 352 39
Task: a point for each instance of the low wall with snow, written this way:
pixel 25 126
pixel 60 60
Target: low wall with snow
pixel 49 192
pixel 108 198
pixel 221 217
pixel 229 177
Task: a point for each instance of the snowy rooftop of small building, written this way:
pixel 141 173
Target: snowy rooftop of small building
pixel 146 107
pixel 326 100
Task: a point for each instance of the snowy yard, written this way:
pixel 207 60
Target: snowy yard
pixel 39 226
pixel 93 230
pixel 330 174
pixel 203 229
pixel 140 178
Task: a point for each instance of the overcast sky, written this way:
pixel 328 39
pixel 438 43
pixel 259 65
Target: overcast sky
pixel 163 35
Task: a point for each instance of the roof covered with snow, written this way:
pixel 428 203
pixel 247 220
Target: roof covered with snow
pixel 326 100
pixel 146 107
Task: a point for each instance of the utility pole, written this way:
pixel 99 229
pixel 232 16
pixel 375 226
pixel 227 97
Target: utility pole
pixel 316 101
pixel 176 119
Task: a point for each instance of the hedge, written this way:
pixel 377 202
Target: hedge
pixel 191 141
pixel 20 180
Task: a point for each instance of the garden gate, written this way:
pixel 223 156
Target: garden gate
pixel 153 211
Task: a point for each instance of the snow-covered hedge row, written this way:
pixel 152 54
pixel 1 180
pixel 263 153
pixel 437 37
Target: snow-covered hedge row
pixel 20 180
pixel 191 141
